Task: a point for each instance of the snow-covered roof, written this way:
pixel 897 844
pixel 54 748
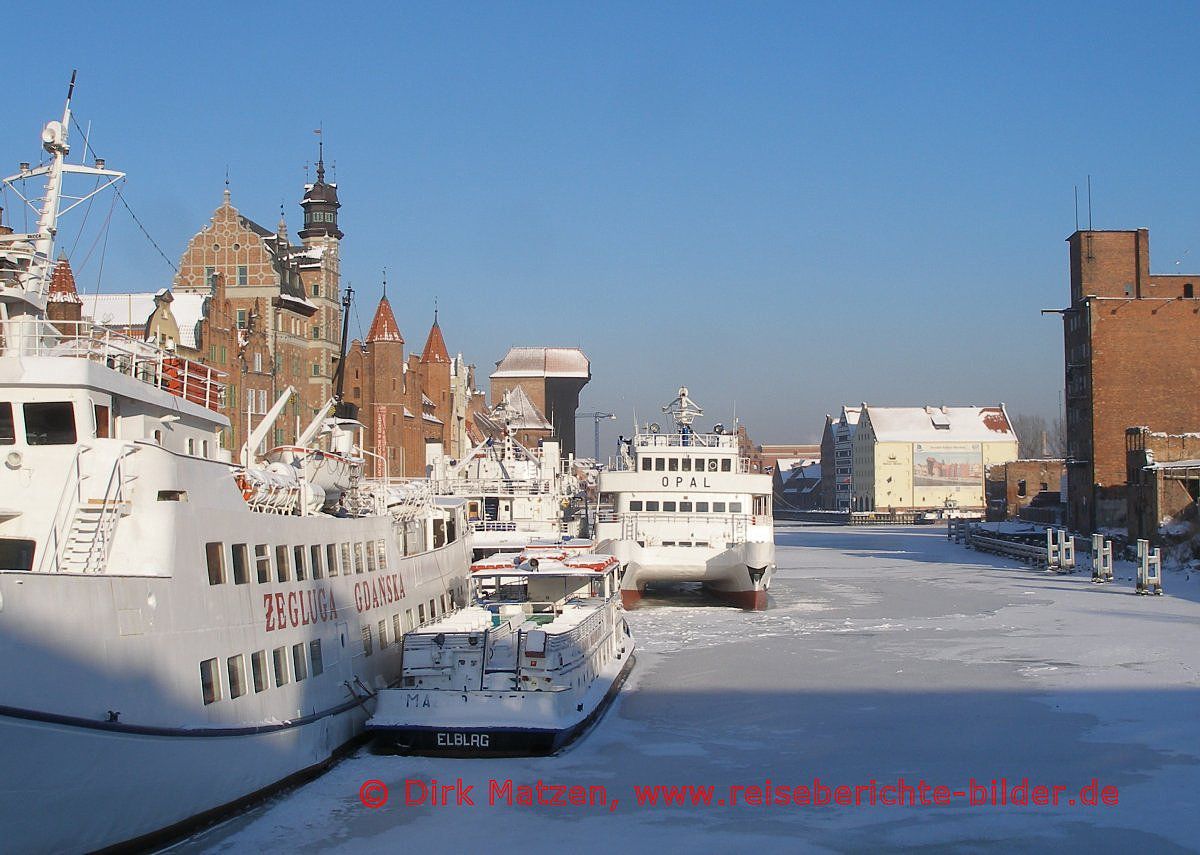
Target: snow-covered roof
pixel 425 399
pixel 850 415
pixel 134 310
pixel 543 362
pixel 940 424
pixel 427 417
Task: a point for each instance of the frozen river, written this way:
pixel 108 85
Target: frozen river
pixel 886 653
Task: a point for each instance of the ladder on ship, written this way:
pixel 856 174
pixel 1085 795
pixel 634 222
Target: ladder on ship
pixel 87 541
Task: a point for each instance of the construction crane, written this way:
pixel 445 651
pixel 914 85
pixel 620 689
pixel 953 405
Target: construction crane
pixel 597 418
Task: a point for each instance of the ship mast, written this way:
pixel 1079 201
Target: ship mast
pixel 25 297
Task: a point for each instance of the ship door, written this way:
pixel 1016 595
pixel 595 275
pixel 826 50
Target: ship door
pixel 491 508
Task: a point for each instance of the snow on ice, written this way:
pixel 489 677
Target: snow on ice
pixel 886 653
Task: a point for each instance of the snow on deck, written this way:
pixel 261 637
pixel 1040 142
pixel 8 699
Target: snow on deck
pixel 885 653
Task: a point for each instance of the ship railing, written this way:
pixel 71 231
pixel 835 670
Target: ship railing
pixel 697 440
pixel 481 486
pixel 142 360
pixel 68 501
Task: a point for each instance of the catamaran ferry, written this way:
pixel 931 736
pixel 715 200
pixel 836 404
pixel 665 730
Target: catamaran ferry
pixel 179 630
pixel 683 507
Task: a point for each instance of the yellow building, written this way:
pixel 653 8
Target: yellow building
pixel 927 457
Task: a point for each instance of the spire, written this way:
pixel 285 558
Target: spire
pixel 320 202
pixel 62 282
pixel 435 345
pixel 227 184
pixel 384 326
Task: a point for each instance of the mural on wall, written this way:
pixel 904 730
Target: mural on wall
pixel 940 464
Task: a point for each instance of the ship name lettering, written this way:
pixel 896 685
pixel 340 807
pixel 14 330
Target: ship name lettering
pixel 681 481
pixel 416 699
pixel 463 740
pixel 375 592
pixel 298 608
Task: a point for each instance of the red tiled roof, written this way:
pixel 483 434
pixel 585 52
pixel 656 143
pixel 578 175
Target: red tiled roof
pixel 384 327
pixel 62 283
pixel 435 346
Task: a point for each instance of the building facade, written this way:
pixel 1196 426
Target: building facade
pixel 552 378
pixel 922 458
pixel 837 460
pixel 1132 357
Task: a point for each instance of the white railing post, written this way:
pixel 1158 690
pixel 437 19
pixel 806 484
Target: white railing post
pixel 1149 570
pixel 1066 550
pixel 1052 556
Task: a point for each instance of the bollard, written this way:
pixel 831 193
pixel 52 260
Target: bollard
pixel 1052 554
pixel 1149 571
pixel 1102 560
pixel 1066 551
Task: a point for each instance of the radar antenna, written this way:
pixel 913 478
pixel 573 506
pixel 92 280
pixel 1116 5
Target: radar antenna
pixel 683 409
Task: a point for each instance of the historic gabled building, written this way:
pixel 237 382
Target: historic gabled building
pixel 552 378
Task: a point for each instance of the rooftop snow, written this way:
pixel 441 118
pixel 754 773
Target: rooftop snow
pixel 921 424
pixel 543 362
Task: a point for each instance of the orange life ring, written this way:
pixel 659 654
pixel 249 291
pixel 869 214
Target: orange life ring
pixel 245 486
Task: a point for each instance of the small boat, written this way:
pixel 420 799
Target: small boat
pixel 525 669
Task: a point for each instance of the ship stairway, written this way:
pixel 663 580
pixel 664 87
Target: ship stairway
pixel 88 540
pixel 500 662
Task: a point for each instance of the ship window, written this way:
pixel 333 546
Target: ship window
pixel 191 446
pixel 383 641
pixel 371 565
pixel 210 680
pixel 668 543
pixel 204 449
pixel 16 553
pixel 396 631
pixel 701 507
pixel 101 415
pixel 669 507
pixel 258 665
pixel 347 567
pixel 635 505
pixel 660 464
pixel 8 430
pixel 652 506
pixel 282 570
pixel 420 614
pixel 699 464
pixel 50 423
pixel 241 566
pixel 646 464
pixel 279 660
pixel 262 562
pixel 408 619
pixel 298 560
pixel 314 556
pixel 237 676
pixel 735 507
pixel 381 553
pixel 726 465
pixel 358 558
pixel 718 507
pixel 314 653
pixel 432 610
pixel 366 639
pixel 331 562
pixel 299 663
pixel 687 464
pixel 215 555
pixel 685 507
pixel 673 464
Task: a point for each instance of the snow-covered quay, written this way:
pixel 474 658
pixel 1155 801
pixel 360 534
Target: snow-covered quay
pixel 886 653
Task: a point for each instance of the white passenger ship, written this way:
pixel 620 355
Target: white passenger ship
pixel 178 631
pixel 514 495
pixel 683 507
pixel 524 670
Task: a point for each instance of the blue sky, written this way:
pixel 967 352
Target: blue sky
pixel 785 206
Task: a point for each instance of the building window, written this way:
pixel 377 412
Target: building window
pixel 210 681
pixel 316 289
pixel 1021 488
pixel 210 275
pixel 243 274
pixel 316 332
pixel 316 370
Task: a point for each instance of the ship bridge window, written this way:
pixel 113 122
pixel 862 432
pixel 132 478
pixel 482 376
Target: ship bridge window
pixel 726 465
pixel 687 464
pixel 299 663
pixel 712 464
pixel 258 665
pixel 241 564
pixel 652 506
pixel 669 507
pixel 685 507
pixel 673 464
pixel 8 430
pixel 101 415
pixel 314 555
pixel 51 423
pixel 718 507
pixel 647 462
pixel 282 571
pixel 237 676
pixel 635 505
pixel 314 652
pixel 735 507
pixel 298 560
pixel 215 555
pixel 279 659
pixel 262 562
pixel 210 681
pixel 701 507
pixel 16 553
pixel 660 464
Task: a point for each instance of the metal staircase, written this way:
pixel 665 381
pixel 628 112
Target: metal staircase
pixel 87 540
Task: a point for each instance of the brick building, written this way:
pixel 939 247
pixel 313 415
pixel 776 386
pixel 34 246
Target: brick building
pixel 1132 357
pixel 1018 485
pixel 1163 483
pixel 552 378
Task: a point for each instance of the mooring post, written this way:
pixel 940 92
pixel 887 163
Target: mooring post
pixel 1149 570
pixel 1066 550
pixel 1052 555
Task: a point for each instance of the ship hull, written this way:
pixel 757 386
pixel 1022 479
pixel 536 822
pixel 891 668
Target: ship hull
pixel 740 575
